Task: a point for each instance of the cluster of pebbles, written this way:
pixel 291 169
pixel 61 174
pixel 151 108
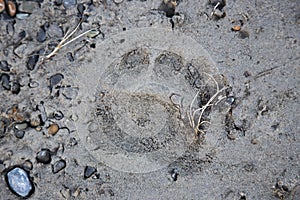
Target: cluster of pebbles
pixel 17 176
pixel 24 96
pixel 10 7
pixel 23 9
pixel 21 74
pixel 30 96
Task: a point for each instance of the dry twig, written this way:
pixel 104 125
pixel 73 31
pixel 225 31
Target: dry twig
pixel 64 41
pixel 196 123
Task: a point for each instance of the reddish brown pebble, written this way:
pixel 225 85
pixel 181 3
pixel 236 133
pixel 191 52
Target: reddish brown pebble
pixel 11 8
pixel 53 129
pixel 236 28
pixel 2 5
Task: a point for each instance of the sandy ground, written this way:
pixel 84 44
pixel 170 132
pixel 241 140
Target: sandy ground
pixel 121 97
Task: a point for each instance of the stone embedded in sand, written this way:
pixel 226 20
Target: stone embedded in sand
pixel 55 79
pixel 53 129
pixel 27 165
pixel 236 28
pixel 58 166
pixel 32 61
pixel 21 126
pixel 4 66
pixel 11 8
pixel 16 88
pixel 68 4
pixel 58 115
pixel 118 1
pixel 2 5
pixel 18 182
pixel 19 134
pixel 5 81
pixel 44 156
pixel 168 6
pixel 89 171
pixel 41 35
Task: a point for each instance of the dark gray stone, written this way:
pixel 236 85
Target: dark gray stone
pixel 16 88
pixel 58 166
pixel 5 79
pixel 32 60
pixel 41 35
pixel 55 79
pixel 19 134
pixel 89 171
pixel 44 156
pixel 4 66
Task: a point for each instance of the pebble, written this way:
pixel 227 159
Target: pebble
pixel 22 35
pixel 174 174
pixel 21 49
pixel 69 3
pixel 55 79
pixel 19 134
pixel 16 88
pixel 58 166
pixel 21 126
pixel 4 66
pixel 89 171
pixel 5 79
pixel 42 109
pixel 22 15
pixel 243 34
pixel 254 141
pixel 58 115
pixel 2 6
pixel 44 156
pixel 70 57
pixel 33 84
pixel 28 6
pixel 168 6
pixel 236 28
pixel 41 35
pixel 35 121
pixel 11 8
pixel 19 183
pixel 27 165
pixel 32 60
pixel 230 100
pixel 77 192
pixel 55 31
pixel 53 129
pixel 118 1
